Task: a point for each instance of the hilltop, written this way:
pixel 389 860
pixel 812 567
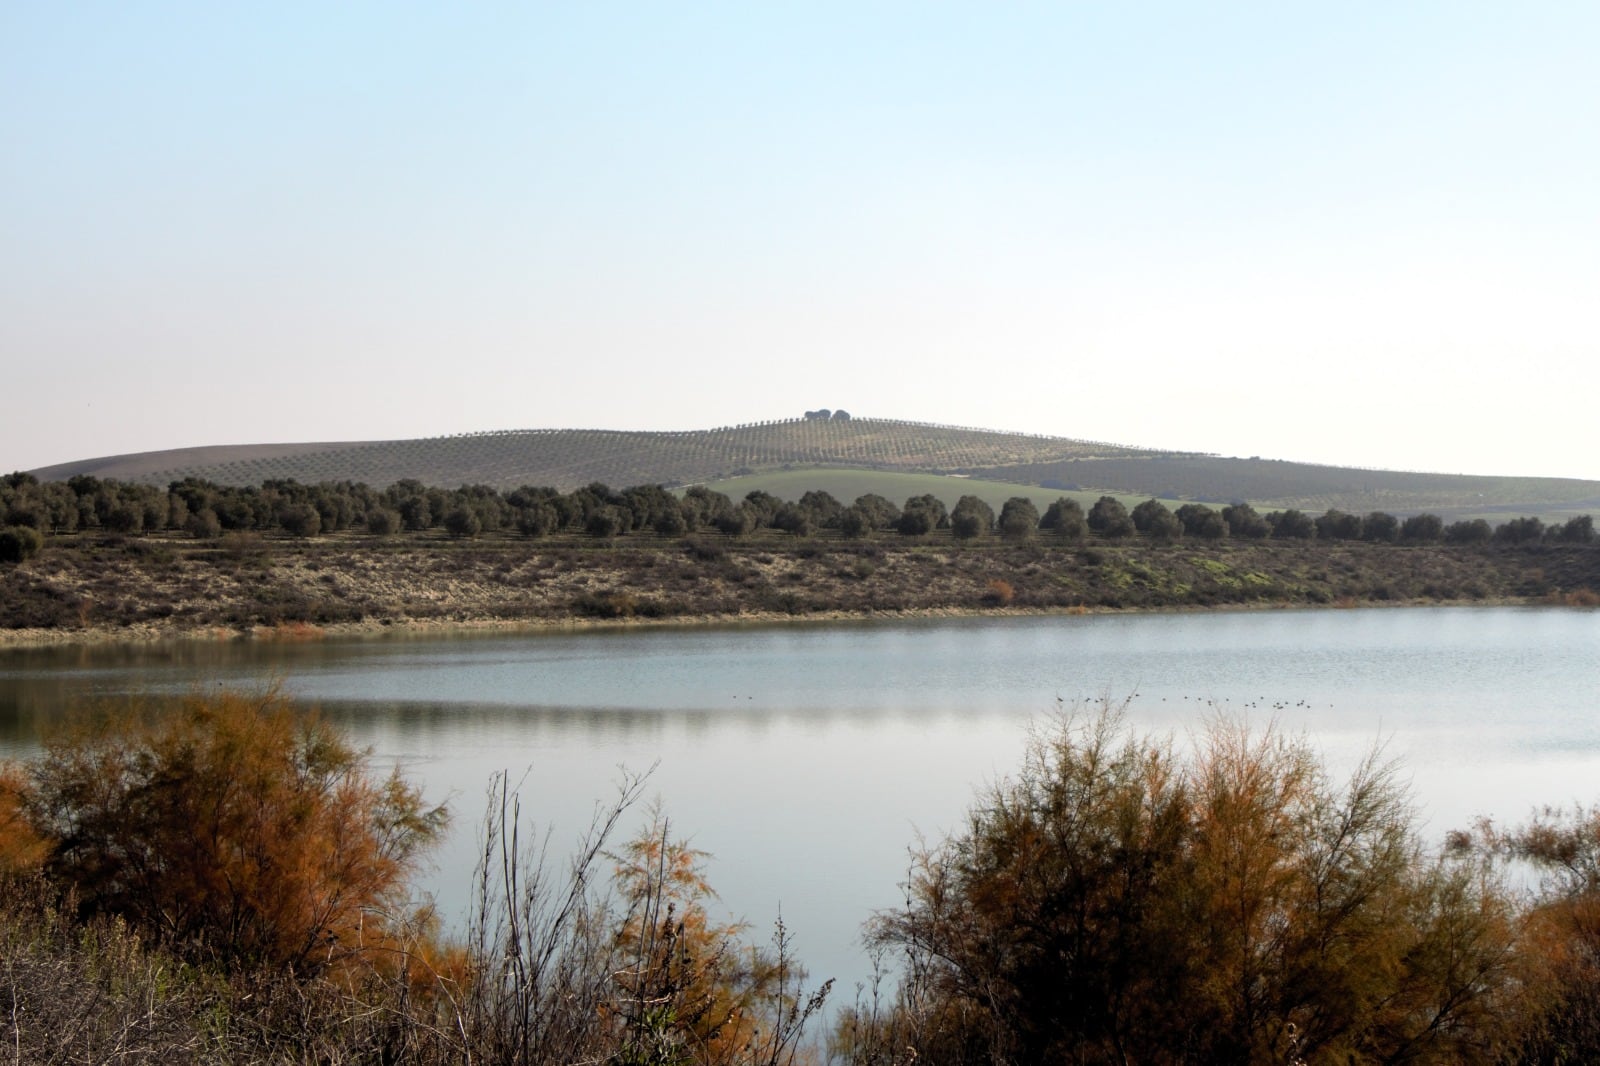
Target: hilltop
pixel 782 455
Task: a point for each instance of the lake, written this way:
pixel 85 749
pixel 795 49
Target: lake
pixel 806 758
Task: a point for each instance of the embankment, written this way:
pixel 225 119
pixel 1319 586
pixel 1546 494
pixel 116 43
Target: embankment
pixel 85 589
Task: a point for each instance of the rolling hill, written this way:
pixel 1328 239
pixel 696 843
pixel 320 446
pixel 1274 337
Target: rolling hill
pixel 869 453
pixel 569 458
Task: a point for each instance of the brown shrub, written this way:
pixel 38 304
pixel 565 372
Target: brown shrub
pixel 231 827
pixel 998 593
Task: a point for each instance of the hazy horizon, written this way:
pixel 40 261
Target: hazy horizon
pixel 1363 236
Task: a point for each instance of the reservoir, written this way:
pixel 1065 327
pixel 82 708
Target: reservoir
pixel 807 758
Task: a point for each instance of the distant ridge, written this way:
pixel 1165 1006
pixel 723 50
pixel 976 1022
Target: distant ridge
pixel 566 459
pixel 569 458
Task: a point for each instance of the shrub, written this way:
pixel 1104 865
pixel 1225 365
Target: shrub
pixel 300 520
pixel 706 551
pixel 19 543
pixel 462 522
pixel 22 849
pixel 383 521
pixel 568 972
pixel 1116 903
pixel 231 827
pixel 999 593
pixel 204 524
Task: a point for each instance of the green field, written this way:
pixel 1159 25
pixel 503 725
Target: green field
pixel 846 485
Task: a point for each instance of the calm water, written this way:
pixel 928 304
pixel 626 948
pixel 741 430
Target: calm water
pixel 807 758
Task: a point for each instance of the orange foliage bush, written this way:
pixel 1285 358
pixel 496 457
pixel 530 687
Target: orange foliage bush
pixel 22 849
pixel 232 827
pixel 708 980
pixel 999 593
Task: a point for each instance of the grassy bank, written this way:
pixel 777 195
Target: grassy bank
pixel 90 587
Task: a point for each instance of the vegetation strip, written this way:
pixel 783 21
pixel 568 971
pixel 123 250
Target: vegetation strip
pixel 85 556
pixel 229 881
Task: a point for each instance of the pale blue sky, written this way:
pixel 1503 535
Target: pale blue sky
pixel 1360 233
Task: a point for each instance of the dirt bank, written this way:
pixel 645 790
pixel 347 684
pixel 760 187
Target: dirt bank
pixel 128 590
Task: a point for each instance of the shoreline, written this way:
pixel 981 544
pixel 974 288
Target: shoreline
pixel 147 634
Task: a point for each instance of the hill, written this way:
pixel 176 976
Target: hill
pixel 569 458
pixel 862 454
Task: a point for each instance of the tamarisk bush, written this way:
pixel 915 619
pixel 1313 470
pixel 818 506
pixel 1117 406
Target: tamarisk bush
pixel 230 828
pixel 1118 902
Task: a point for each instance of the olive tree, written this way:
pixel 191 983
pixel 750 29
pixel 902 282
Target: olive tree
pixel 1243 521
pixel 1422 529
pixel 1292 525
pixel 1065 519
pixel 971 518
pixel 1381 527
pixel 1019 518
pixel 1474 531
pixel 1153 518
pixel 1201 521
pixel 1109 518
pixel 922 514
pixel 1337 525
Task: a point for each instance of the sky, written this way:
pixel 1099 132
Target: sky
pixel 1362 234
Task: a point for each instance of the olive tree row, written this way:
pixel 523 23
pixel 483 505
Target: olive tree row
pixel 205 509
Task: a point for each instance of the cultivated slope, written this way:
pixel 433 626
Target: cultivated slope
pixel 570 458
